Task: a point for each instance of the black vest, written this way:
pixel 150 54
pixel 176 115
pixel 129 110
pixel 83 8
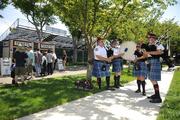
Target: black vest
pixel 152 48
pixel 139 53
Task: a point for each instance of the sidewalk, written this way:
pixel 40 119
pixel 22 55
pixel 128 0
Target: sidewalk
pixel 69 71
pixel 121 104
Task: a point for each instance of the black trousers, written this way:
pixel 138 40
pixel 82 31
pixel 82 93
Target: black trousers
pixel 49 69
pixel 55 64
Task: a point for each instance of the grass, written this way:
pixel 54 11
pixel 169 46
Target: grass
pixel 171 107
pixel 39 95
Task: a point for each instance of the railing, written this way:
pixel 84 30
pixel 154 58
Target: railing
pixel 27 25
pixel 8 31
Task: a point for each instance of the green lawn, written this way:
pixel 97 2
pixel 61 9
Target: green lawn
pixel 171 107
pixel 39 95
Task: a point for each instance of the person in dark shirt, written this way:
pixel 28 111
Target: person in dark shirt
pixel 20 57
pixel 140 69
pixel 153 53
pixel 13 71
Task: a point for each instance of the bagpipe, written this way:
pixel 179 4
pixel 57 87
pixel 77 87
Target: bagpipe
pixel 127 48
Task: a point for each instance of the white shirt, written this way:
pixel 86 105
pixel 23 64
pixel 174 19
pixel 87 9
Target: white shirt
pixel 44 59
pixel 49 57
pixel 54 55
pixel 160 47
pixel 101 51
pixel 116 50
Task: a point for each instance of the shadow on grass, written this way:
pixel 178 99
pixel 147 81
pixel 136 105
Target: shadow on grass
pixel 42 94
pixel 39 95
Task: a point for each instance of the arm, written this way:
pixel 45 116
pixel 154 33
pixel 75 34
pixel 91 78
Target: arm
pixel 117 56
pixel 157 52
pixel 102 58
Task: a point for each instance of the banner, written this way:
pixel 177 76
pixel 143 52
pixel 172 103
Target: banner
pixel 5 66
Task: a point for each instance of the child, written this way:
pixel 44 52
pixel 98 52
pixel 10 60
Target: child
pixel 13 71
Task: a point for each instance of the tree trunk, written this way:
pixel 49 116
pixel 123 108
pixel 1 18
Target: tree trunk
pixel 74 49
pixel 89 64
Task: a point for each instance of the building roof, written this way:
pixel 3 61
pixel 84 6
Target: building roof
pixel 31 35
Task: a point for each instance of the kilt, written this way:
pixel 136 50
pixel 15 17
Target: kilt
pixel 154 72
pixel 97 69
pixel 142 71
pixel 117 65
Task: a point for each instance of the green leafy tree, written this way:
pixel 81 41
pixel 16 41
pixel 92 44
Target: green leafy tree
pixel 38 12
pixel 101 17
pixel 68 14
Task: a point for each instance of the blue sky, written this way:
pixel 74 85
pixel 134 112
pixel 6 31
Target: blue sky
pixel 173 12
pixel 11 14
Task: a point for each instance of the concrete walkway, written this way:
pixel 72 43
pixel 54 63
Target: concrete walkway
pixel 121 104
pixel 69 71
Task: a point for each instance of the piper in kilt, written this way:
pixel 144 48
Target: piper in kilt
pixel 154 66
pixel 100 64
pixel 140 69
pixel 116 63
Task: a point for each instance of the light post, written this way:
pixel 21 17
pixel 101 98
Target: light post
pixel 169 44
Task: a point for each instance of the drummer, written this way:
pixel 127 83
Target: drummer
pixel 100 66
pixel 116 63
pixel 154 66
pixel 140 69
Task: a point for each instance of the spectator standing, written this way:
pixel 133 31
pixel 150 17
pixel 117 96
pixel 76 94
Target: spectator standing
pixel 64 59
pixel 38 61
pixel 44 64
pixel 30 61
pixel 55 60
pixel 49 57
pixel 20 57
pixel 13 71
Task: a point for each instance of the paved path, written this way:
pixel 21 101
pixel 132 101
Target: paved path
pixel 70 71
pixel 121 104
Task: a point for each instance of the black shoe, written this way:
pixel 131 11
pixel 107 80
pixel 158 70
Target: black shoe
pixel 144 93
pixel 151 97
pixel 156 100
pixel 137 91
pixel 116 86
pixel 110 88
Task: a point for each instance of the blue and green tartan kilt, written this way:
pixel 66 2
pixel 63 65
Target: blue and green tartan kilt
pixel 142 71
pixel 97 69
pixel 154 71
pixel 116 65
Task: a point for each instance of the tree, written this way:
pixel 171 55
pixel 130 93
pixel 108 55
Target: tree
pixel 3 4
pixel 100 17
pixel 38 12
pixel 68 15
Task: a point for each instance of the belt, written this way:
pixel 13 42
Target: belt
pixel 102 61
pixel 117 58
pixel 141 60
pixel 152 58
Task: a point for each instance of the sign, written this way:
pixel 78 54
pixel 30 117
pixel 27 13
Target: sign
pixel 60 64
pixel 6 44
pixel 5 66
pixel 47 46
pixel 24 44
